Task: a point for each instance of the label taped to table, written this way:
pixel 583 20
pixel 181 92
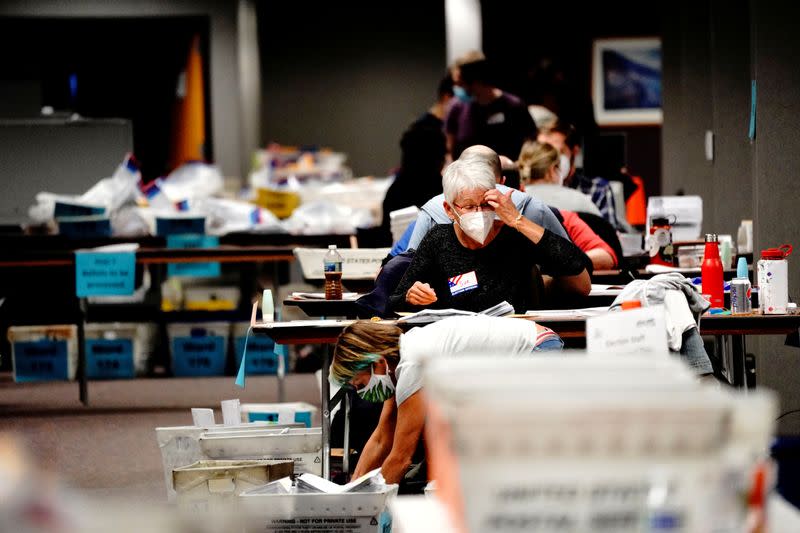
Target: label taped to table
pixel 104 273
pixel 195 270
pixel 628 332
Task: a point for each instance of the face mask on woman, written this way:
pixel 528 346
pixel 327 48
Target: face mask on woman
pixel 563 168
pixel 462 94
pixel 477 224
pixel 379 388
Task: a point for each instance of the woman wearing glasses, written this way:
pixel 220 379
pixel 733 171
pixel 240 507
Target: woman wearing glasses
pixel 489 252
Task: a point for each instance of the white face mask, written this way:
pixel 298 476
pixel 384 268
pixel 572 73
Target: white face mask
pixel 379 388
pixel 477 224
pixel 563 168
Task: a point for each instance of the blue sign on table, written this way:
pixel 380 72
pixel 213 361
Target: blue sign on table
pixel 104 273
pixel 197 270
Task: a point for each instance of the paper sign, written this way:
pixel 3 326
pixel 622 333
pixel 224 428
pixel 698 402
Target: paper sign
pixel 104 273
pixel 633 331
pixel 197 270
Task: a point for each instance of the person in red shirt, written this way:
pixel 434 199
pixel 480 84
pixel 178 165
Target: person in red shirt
pixel 539 165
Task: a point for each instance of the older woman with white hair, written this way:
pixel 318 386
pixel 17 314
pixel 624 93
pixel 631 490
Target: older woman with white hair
pixel 487 255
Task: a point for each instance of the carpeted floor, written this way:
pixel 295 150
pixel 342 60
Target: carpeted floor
pixel 109 448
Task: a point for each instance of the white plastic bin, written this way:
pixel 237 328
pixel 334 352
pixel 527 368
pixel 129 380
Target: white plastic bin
pixel 279 413
pixel 351 512
pixel 210 486
pixel 301 445
pixel 261 356
pixel 359 263
pixel 211 298
pixel 198 349
pixel 44 353
pixel 180 446
pixel 117 350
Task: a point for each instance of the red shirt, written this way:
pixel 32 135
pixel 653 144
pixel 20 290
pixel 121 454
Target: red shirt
pixel 583 236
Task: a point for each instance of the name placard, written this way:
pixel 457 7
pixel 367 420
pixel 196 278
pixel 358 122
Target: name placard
pixel 104 273
pixel 628 332
pixel 195 270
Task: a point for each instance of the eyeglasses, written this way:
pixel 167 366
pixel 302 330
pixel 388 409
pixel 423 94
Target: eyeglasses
pixel 474 208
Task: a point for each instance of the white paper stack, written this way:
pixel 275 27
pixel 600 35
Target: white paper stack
pixel 400 219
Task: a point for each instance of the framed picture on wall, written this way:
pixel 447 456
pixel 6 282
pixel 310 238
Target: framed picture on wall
pixel 626 81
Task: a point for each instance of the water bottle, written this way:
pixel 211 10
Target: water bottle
pixel 711 273
pixel 773 280
pixel 332 266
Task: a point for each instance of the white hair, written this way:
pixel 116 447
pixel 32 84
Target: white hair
pixel 485 154
pixel 466 174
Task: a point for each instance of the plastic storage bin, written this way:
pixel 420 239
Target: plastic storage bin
pixel 208 486
pixel 198 349
pixel 278 413
pixel 180 446
pixel 351 512
pixel 302 445
pixel 117 350
pixel 261 356
pixel 211 298
pixel 44 353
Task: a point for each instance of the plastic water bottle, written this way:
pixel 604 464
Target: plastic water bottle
pixel 711 273
pixel 773 280
pixel 332 266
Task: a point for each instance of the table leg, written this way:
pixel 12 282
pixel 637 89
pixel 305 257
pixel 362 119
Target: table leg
pixel 83 387
pixel 346 456
pixel 326 412
pixel 739 352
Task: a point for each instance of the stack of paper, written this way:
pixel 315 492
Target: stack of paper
pixel 426 316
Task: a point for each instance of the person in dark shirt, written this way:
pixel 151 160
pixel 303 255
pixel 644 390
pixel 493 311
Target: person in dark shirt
pixel 484 114
pixel 434 116
pixel 478 261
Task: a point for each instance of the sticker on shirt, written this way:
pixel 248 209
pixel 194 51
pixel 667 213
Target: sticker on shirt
pixel 463 283
pixel 497 118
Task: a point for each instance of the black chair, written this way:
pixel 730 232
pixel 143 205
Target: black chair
pixel 605 231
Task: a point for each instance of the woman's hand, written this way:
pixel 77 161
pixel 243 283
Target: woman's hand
pixel 421 294
pixel 503 205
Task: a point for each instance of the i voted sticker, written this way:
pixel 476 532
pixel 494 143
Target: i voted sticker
pixel 463 283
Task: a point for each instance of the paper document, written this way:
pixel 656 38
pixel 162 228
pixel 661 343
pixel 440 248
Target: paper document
pixel 661 269
pixel 432 315
pixel 599 289
pixel 316 483
pixel 586 312
pixel 321 295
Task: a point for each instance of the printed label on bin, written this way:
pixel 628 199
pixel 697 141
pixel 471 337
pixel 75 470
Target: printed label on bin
pixel 340 524
pixel 198 356
pixel 194 270
pixel 109 358
pixel 104 273
pixel 168 227
pixel 303 462
pixel 261 358
pixel 40 360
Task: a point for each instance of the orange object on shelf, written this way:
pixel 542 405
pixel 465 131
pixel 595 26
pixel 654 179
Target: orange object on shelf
pixel 636 205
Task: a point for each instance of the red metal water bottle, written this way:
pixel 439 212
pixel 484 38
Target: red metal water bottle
pixel 711 273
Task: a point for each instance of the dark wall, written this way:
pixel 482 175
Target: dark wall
pixel 349 77
pixel 712 51
pixel 707 88
pixel 125 68
pixel 533 41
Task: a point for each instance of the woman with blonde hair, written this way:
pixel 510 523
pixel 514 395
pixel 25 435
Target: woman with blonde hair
pixel 542 172
pixel 384 364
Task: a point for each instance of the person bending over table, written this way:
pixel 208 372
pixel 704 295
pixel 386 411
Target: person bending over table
pixel 384 365
pixel 479 261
